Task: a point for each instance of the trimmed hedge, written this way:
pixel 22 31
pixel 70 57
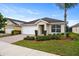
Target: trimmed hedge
pixel 29 38
pixel 54 36
pixel 42 38
pixel 70 36
pixel 15 32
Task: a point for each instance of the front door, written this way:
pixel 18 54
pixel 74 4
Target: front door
pixel 42 29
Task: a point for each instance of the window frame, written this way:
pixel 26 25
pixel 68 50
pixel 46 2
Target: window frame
pixel 56 28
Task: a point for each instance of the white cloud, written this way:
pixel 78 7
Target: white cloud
pixel 32 12
pixel 17 13
pixel 72 22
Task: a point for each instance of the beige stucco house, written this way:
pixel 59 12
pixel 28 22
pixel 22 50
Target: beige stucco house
pixel 75 28
pixel 44 24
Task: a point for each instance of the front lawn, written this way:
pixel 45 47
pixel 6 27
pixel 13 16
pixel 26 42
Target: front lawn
pixel 60 47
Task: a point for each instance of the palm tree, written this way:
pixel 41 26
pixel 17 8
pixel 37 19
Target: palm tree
pixel 65 7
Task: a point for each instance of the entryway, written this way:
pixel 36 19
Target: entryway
pixel 41 29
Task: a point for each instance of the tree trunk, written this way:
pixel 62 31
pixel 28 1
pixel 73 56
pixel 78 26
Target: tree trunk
pixel 65 18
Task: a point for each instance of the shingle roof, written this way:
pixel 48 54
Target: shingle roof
pixel 76 25
pixel 14 21
pixel 49 20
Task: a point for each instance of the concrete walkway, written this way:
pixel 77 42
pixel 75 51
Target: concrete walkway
pixel 7 49
pixel 12 39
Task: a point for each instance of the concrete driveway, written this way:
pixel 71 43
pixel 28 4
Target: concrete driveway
pixel 7 49
pixel 12 39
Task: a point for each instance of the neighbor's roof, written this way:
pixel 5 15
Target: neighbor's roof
pixel 49 20
pixel 15 21
pixel 76 25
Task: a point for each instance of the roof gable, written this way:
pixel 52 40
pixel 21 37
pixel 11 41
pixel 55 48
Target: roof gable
pixel 49 20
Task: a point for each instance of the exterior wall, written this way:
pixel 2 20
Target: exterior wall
pixel 62 28
pixel 17 28
pixel 8 29
pixel 49 29
pixel 75 29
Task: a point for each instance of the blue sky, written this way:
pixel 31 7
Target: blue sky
pixel 32 11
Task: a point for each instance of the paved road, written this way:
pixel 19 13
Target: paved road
pixel 7 49
pixel 12 39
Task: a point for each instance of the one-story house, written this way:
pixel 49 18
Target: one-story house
pixel 44 24
pixel 75 28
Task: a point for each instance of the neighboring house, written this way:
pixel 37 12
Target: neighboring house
pixel 48 24
pixel 75 28
pixel 13 25
pixel 44 24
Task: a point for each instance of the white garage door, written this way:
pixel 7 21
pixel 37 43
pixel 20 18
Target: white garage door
pixel 9 30
pixel 28 29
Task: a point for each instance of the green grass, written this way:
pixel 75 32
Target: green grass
pixel 60 47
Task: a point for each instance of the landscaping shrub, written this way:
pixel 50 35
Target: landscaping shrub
pixel 54 36
pixel 15 32
pixel 42 38
pixel 45 32
pixel 36 33
pixel 2 31
pixel 29 38
pixel 74 36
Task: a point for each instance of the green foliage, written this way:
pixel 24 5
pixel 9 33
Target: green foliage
pixel 15 32
pixel 66 5
pixel 42 38
pixel 45 32
pixel 2 21
pixel 74 36
pixel 55 36
pixel 60 47
pixel 29 38
pixel 36 33
pixel 2 31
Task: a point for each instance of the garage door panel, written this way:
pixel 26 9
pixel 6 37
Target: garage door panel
pixel 28 29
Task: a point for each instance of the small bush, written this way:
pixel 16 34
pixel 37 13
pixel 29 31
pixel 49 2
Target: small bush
pixel 42 38
pixel 74 36
pixel 2 31
pixel 29 38
pixel 45 32
pixel 36 33
pixel 15 32
pixel 54 36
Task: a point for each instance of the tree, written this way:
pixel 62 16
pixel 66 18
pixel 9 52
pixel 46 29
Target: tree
pixel 2 21
pixel 65 7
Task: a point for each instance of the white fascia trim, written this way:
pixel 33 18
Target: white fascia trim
pixel 41 20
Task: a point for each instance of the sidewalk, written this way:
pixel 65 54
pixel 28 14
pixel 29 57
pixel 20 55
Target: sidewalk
pixel 12 39
pixel 7 49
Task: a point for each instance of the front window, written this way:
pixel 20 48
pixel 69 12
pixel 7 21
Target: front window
pixel 56 28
